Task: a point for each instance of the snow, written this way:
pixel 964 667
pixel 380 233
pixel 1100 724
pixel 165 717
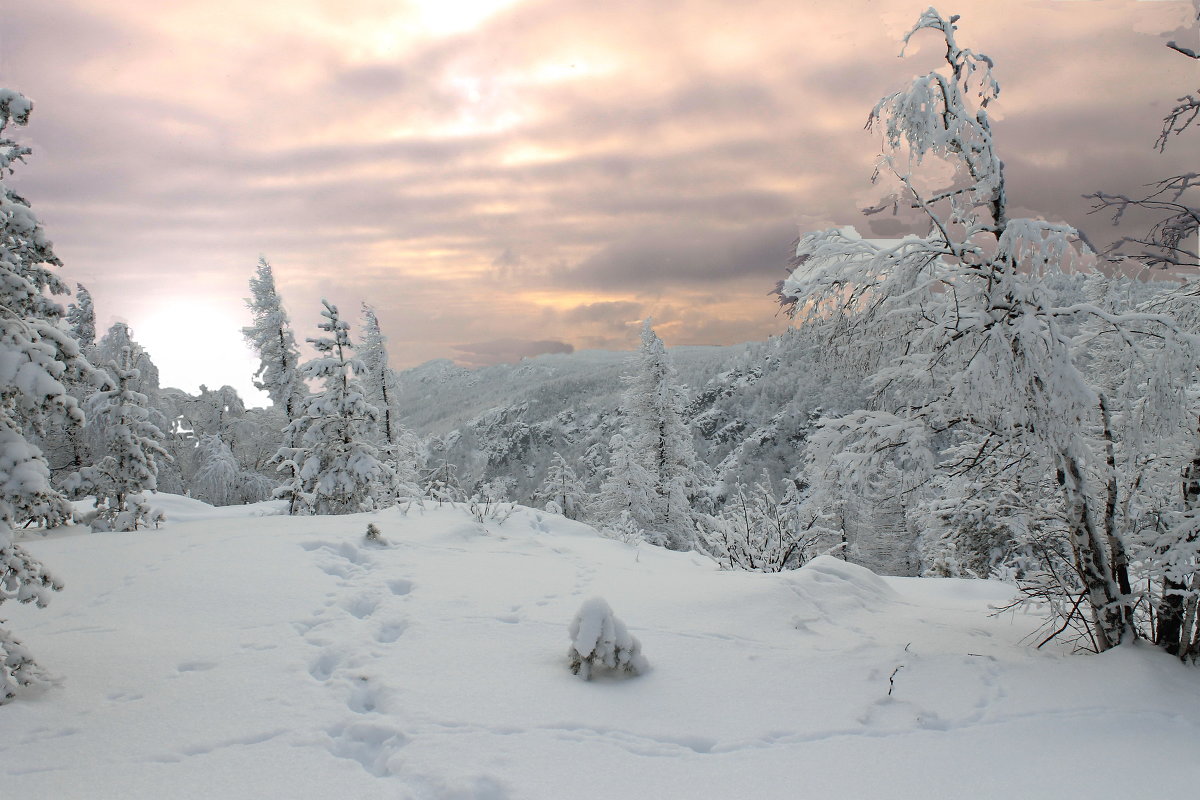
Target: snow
pixel 237 653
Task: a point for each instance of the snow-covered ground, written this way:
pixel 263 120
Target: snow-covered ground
pixel 236 655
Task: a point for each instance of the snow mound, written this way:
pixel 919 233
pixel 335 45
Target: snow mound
pixel 830 589
pixel 186 509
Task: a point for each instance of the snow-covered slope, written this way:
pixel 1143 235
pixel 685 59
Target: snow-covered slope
pixel 268 656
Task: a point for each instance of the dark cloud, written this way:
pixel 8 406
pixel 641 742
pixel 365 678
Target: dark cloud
pixel 684 256
pixel 507 351
pixel 615 313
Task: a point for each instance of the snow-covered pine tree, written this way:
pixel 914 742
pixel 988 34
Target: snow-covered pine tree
pixel 563 488
pixel 653 423
pixel 398 447
pixel 34 355
pixel 335 468
pixel 81 318
pixel 173 472
pixel 271 337
pixel 64 442
pixel 626 499
pixel 122 428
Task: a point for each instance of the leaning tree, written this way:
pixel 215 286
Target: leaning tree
pixel 967 355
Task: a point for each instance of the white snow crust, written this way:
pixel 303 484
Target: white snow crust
pixel 235 655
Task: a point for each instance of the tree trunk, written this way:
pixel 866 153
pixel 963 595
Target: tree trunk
pixel 1176 612
pixel 1109 612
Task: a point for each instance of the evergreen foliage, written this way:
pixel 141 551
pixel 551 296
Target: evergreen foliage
pixel 659 439
pixel 334 466
pixel 35 354
pixel 122 429
pixel 271 337
pixel 564 489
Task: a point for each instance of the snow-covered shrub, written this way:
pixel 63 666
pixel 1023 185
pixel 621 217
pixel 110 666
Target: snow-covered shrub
pixel 441 483
pixel 756 530
pixel 18 670
pixel 373 536
pixel 601 641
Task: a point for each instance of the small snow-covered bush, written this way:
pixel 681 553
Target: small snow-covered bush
pixel 600 640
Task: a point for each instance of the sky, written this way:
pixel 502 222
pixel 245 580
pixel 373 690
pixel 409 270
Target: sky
pixel 502 178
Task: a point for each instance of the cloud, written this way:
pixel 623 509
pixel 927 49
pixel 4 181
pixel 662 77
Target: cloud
pixel 507 351
pixel 685 256
pixel 616 314
pixel 541 175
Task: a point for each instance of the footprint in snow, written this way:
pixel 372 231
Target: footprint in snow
pixel 362 606
pixel 390 631
pixel 400 586
pixel 322 666
pixel 371 745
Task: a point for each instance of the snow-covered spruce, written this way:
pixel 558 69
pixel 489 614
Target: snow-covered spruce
pixel 35 353
pixel 601 641
pixel 132 447
pixel 334 467
pixel 563 489
pixel 660 441
pixel 272 338
pixel 398 447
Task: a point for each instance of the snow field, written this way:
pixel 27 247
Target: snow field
pixel 285 657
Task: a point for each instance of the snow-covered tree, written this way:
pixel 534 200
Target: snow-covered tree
pixel 221 480
pixel 271 337
pixel 122 429
pixel 563 488
pixel 600 641
pixel 35 353
pixel 81 318
pixel 654 427
pixel 440 482
pixel 398 447
pixel 626 495
pixel 334 467
pixel 63 441
pixel 988 357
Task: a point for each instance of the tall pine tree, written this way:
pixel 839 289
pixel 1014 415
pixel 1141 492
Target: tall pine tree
pixel 398 447
pixel 34 356
pixel 660 440
pixel 271 337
